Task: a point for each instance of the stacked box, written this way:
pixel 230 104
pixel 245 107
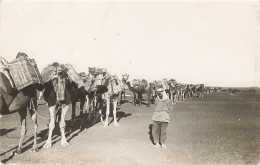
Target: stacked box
pixel 136 82
pixel 47 73
pixel 73 75
pixel 24 72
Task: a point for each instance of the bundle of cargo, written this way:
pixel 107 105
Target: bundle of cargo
pixel 73 75
pixel 136 82
pixel 96 71
pixel 24 72
pixel 47 73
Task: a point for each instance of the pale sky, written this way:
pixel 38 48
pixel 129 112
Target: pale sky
pixel 215 43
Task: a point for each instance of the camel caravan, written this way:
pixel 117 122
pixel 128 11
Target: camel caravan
pixel 60 85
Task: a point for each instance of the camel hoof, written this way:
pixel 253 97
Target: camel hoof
pixel 64 143
pixel 47 145
pixel 34 149
pixel 116 125
pixel 1 116
pixel 18 151
pixel 105 125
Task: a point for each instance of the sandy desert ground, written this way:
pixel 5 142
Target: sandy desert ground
pixel 218 129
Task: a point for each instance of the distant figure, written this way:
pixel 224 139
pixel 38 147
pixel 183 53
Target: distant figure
pixel 161 118
pixel 232 91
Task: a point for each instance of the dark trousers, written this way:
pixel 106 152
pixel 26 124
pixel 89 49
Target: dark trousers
pixel 159 131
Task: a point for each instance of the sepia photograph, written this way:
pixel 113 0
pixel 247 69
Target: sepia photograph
pixel 130 82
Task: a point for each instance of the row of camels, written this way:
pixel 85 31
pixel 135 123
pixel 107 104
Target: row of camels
pixel 96 89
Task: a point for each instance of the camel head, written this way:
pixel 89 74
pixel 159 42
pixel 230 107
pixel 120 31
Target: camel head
pixel 62 71
pixel 92 70
pixel 125 77
pixel 83 76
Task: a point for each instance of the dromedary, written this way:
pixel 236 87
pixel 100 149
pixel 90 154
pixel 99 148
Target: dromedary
pixel 124 86
pixel 21 100
pixel 138 88
pixel 57 95
pixel 114 91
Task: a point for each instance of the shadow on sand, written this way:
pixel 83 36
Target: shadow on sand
pixel 71 132
pixel 151 132
pixel 6 131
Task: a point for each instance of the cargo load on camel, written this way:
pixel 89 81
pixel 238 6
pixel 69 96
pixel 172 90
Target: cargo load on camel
pixel 47 73
pixel 73 75
pixel 136 82
pixel 24 72
pixel 97 71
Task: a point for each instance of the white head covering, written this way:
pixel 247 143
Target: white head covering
pixel 161 90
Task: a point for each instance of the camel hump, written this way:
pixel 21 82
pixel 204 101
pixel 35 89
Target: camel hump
pixel 5 84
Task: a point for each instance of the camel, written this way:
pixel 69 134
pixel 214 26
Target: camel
pixel 124 86
pixel 114 86
pixel 95 89
pixel 151 93
pixel 138 89
pixel 107 88
pixel 173 90
pixel 22 100
pixel 188 91
pixel 200 89
pixel 182 89
pixel 78 91
pixel 57 95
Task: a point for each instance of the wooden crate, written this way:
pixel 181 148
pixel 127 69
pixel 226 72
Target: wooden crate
pixel 24 72
pixel 47 73
pixel 73 75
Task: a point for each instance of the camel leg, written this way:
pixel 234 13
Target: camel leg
pixel 22 113
pixel 135 99
pixel 63 125
pixel 119 99
pixel 73 113
pixel 35 125
pixel 140 99
pixel 51 126
pixel 82 103
pixel 40 96
pixel 107 112
pixel 100 112
pixel 149 100
pixel 172 98
pixel 1 105
pixel 89 109
pixel 114 114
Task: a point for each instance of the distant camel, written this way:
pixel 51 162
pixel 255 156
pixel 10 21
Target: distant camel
pixel 138 89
